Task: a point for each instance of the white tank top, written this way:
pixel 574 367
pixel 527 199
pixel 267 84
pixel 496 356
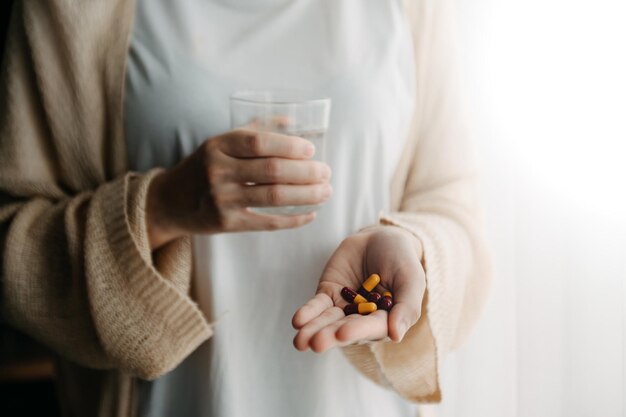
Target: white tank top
pixel 186 58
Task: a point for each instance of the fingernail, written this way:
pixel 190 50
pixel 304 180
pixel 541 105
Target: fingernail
pixel 309 149
pixel 327 172
pixel 328 191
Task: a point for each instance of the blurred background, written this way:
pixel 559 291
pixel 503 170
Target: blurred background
pixel 546 83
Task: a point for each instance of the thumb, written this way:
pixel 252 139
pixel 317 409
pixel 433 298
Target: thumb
pixel 408 297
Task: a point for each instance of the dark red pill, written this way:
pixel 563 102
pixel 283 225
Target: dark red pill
pixel 351 296
pixel 374 297
pixel 385 303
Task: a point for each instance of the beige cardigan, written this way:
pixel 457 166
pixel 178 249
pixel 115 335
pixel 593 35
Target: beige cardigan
pixel 77 272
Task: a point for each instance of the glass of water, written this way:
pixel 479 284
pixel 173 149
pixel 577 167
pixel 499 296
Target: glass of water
pixel 291 112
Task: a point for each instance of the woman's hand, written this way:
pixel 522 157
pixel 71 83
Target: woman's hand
pixel 210 191
pixel 389 251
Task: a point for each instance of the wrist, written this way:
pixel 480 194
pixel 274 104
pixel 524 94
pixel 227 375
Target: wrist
pixel 411 236
pixel 398 230
pixel 159 226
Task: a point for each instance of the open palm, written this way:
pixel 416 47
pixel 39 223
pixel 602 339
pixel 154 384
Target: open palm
pixel 389 251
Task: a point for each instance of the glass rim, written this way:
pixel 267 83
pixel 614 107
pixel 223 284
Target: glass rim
pixel 246 97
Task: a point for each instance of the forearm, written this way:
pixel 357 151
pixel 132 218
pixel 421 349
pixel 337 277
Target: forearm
pixel 78 277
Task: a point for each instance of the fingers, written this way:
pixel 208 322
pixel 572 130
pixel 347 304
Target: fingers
pixel 323 325
pixel 280 171
pixel 309 330
pixel 229 196
pixel 370 327
pixel 282 195
pixel 245 143
pixel 407 306
pixel 332 328
pixel 253 221
pixel 325 338
pixel 311 310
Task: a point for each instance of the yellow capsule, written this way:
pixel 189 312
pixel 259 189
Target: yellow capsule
pixel 359 299
pixel 366 308
pixel 362 308
pixel 371 282
pixel 387 294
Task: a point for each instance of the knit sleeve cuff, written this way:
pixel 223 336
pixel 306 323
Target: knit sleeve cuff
pixel 173 260
pixel 143 315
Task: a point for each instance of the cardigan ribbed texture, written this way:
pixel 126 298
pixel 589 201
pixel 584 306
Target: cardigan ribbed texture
pixel 77 271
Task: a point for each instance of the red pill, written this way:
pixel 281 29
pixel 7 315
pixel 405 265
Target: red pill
pixel 362 308
pixel 374 297
pixel 385 303
pixel 351 296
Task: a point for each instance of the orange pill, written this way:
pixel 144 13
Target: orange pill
pixel 369 285
pixel 361 308
pixel 371 282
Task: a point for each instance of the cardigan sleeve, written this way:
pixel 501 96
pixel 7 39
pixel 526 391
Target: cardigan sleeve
pixel 77 272
pixel 439 205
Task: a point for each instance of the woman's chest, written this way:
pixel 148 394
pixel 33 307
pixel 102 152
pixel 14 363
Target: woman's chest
pixel 187 58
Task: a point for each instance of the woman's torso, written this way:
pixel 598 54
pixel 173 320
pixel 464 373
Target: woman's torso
pixel 186 58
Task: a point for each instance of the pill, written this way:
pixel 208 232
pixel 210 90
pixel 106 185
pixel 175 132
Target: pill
pixel 374 297
pixel 362 308
pixel 386 302
pixel 369 285
pixel 351 296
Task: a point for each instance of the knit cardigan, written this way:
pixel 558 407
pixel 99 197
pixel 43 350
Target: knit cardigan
pixel 77 271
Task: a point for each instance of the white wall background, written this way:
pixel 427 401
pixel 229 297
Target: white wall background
pixel 547 84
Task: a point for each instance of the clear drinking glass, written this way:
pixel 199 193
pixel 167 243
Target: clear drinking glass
pixel 291 112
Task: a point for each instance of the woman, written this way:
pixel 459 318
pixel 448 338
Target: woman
pixel 104 182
